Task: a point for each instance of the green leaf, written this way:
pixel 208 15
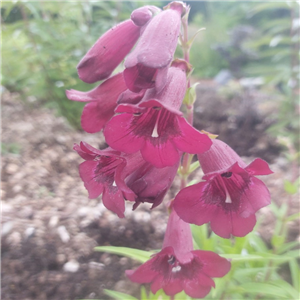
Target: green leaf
pixel 139 255
pixel 190 95
pixel 294 268
pixel 293 254
pixel 260 288
pixel 285 286
pixel 242 257
pixel 195 165
pixel 190 42
pixel 293 217
pixel 287 246
pixel 277 240
pixel 257 243
pixel 118 295
pixel 290 188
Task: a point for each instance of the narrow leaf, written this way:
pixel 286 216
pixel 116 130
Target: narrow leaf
pixel 118 295
pixel 139 255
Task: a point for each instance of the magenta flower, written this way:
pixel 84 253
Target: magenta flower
pixel 177 267
pixel 147 65
pixel 155 126
pixel 150 184
pixel 108 52
pixel 104 172
pixel 102 102
pixel 230 194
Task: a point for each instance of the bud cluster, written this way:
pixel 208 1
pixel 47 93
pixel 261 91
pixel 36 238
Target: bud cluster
pixel 139 112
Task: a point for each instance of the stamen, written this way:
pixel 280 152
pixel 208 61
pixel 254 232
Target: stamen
pixel 114 184
pixel 228 198
pixel 176 269
pixel 154 132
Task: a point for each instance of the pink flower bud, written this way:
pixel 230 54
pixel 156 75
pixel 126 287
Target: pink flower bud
pixel 154 51
pixel 108 52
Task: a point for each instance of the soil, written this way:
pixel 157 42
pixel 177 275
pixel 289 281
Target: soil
pixel 50 227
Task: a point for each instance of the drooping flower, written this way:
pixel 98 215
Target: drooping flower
pixel 119 176
pixel 102 102
pixel 230 195
pixel 147 65
pixel 108 52
pixel 104 172
pixel 150 184
pixel 155 126
pixel 177 267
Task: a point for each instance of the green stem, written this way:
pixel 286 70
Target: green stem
pixel 187 158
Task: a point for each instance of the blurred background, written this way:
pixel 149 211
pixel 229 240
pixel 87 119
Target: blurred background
pixel 247 66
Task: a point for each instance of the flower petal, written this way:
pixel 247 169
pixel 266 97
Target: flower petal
pixel 254 198
pixel 143 274
pixel 191 140
pixel 139 77
pixel 119 136
pixel 258 167
pixel 213 264
pixel 113 200
pixel 160 154
pixel 86 171
pixel 94 118
pixel 221 223
pixel 195 289
pixel 242 226
pixel 191 208
pixel 172 286
pixel 157 284
pixel 158 42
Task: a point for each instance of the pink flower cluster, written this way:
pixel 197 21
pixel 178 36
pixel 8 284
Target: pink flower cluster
pixel 139 112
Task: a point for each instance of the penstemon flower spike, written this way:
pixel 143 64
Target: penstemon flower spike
pixel 149 139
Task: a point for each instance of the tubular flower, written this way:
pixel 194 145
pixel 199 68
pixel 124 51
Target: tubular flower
pixel 155 126
pixel 108 52
pixel 104 172
pixel 177 267
pixel 150 184
pixel 230 194
pixel 147 65
pixel 102 102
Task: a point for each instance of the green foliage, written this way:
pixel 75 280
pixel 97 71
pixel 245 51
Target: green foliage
pixel 44 41
pixel 12 148
pixel 255 271
pixel 139 255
